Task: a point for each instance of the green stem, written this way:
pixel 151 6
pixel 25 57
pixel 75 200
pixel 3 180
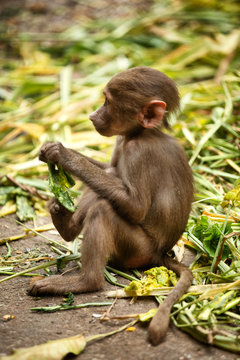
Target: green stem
pixel 220 243
pixel 42 266
pixel 45 237
pixel 121 273
pixel 9 252
pixel 13 273
pixel 63 307
pixel 101 336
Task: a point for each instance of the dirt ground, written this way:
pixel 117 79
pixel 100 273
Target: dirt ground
pixel 30 328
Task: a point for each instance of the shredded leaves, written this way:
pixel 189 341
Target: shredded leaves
pixel 209 233
pixel 155 278
pixel 59 183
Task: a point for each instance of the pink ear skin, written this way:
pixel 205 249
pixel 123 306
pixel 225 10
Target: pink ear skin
pixel 152 114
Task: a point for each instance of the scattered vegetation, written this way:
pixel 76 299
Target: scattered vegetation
pixel 48 88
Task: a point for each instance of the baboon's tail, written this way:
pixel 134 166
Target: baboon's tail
pixel 159 324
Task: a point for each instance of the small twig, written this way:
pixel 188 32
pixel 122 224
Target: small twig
pixel 70 270
pixel 234 233
pixel 29 189
pixel 101 336
pixel 120 317
pixel 105 315
pixel 219 257
pixel 45 237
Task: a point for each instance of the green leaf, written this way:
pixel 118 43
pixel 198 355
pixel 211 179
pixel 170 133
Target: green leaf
pixel 218 302
pixel 25 211
pixel 69 300
pixel 52 350
pixel 9 192
pixel 59 183
pixel 209 233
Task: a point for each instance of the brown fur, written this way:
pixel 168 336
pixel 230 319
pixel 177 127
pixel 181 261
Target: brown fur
pixel 135 208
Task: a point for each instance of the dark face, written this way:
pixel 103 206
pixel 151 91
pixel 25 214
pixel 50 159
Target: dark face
pixel 102 119
pixel 110 120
